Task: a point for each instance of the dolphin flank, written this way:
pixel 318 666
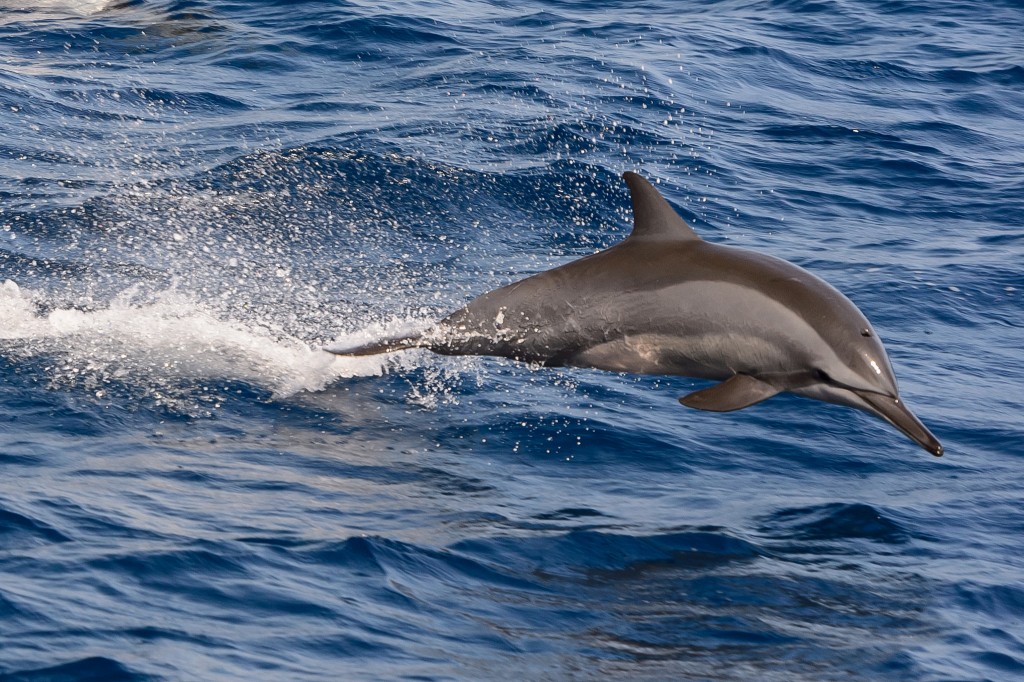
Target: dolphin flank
pixel 664 301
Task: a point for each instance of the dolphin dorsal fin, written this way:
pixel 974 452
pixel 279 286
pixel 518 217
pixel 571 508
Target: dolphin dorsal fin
pixel 653 217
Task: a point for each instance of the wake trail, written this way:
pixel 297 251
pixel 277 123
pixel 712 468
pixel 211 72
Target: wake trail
pixel 171 343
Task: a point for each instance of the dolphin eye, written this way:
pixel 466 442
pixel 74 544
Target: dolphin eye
pixel 820 375
pixel 865 333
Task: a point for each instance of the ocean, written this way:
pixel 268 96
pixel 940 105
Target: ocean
pixel 196 197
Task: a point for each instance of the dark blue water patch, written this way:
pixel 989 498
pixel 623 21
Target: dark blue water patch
pixel 369 556
pixel 355 555
pixel 771 59
pixel 192 100
pixel 92 669
pixel 312 103
pixel 893 74
pixel 834 522
pixel 415 590
pixel 858 139
pixel 447 483
pixel 1004 77
pixel 381 37
pixel 264 63
pixel 420 580
pixel 197 567
pixel 808 6
pixel 569 514
pixel 993 645
pixel 660 608
pixel 1007 239
pixel 17 612
pixel 109 396
pixel 152 633
pixel 557 522
pixel 58 413
pixel 171 31
pixel 976 104
pixel 579 137
pixel 580 554
pixel 802 434
pixel 94 523
pixel 54 156
pixel 998 601
pixel 330 461
pixel 506 85
pixel 541 19
pixel 18 531
pixel 988 437
pixel 22 453
pixel 546 439
pixel 1001 661
pixel 336 645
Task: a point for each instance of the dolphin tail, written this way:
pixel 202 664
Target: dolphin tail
pixel 379 346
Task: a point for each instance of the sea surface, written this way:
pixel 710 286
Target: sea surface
pixel 197 196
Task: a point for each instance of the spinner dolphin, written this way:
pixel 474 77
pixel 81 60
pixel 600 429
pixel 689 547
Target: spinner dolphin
pixel 664 301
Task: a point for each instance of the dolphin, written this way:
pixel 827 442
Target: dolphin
pixel 664 301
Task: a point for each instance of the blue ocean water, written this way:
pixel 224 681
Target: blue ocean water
pixel 196 196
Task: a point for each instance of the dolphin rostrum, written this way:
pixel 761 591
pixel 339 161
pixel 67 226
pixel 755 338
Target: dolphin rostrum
pixel 664 301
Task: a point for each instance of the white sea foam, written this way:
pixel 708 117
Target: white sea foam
pixel 51 9
pixel 171 340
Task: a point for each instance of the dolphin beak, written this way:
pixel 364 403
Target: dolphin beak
pixel 894 411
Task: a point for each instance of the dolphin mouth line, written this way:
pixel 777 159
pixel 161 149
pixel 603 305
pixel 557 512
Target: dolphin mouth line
pixel 896 412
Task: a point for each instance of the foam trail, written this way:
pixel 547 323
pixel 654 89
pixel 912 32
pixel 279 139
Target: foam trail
pixel 49 9
pixel 169 340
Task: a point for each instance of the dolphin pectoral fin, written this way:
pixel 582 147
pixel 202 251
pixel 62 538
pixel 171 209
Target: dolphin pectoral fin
pixel 735 393
pixel 377 347
pixel 895 411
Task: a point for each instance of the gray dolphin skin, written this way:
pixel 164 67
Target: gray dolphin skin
pixel 664 301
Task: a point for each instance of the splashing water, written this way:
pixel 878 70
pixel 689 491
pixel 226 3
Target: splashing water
pixel 172 346
pixel 53 9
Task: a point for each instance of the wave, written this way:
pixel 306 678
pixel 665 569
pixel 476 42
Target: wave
pixel 92 668
pixel 835 522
